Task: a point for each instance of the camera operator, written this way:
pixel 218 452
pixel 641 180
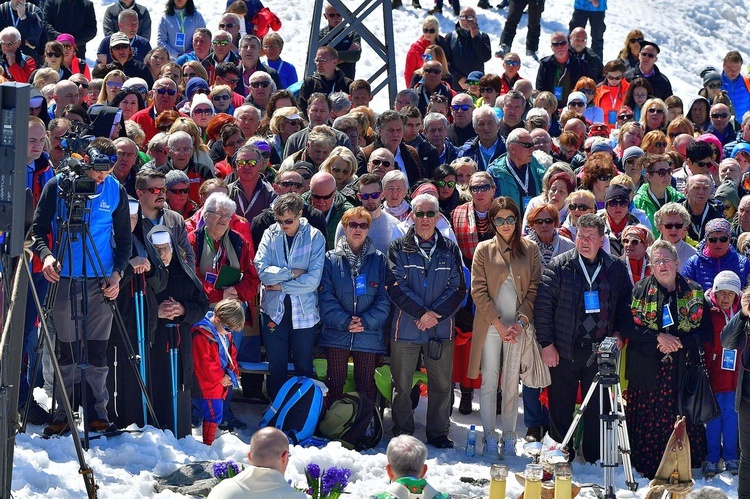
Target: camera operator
pixel 107 219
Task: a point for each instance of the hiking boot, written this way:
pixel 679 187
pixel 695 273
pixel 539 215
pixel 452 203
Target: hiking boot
pixel 504 49
pixel 484 4
pixel 509 444
pixel 464 407
pixel 59 427
pixel 532 54
pixel 441 442
pixel 37 414
pixel 710 469
pixel 231 423
pixel 732 466
pixel 534 434
pixel 491 448
pixel 101 425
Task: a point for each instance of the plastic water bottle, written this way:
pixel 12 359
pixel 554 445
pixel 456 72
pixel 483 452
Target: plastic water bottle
pixel 471 442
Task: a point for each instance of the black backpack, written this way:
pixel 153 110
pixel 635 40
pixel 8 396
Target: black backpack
pixel 353 421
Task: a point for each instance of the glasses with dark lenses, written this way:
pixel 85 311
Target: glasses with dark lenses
pixel 442 183
pixel 525 145
pixel 662 172
pixel 714 86
pixel 202 110
pixel 168 91
pixel 655 110
pixel 328 196
pixel 336 169
pixel 156 190
pixel 720 116
pixel 424 214
pixel 578 207
pixel 221 43
pixel 378 162
pixel 241 163
pixel 677 226
pixel 165 128
pixel 52 54
pixel 285 221
pixel 486 90
pixel 625 116
pixel 615 78
pixel 650 55
pixel 631 242
pixel 560 43
pixel 264 84
pixel 187 76
pixel 114 84
pixel 434 71
pixel 604 178
pixel 429 30
pixel 714 239
pixel 512 63
pixel 636 40
pixel 704 164
pixel 480 188
pixel 221 97
pixel 500 221
pixel 372 195
pixel 291 183
pixel 660 144
pixel 543 221
pixel 186 190
pixel 355 225
pixel 226 25
pixel 576 103
pixel 461 107
pixel 618 202
pixel 587 91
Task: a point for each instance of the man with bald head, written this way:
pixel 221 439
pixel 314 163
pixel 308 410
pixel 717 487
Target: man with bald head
pixel 381 162
pixel 324 196
pixel 576 126
pixel 66 92
pixel 681 143
pixel 264 478
pixel 518 174
pixel 720 124
pixel 578 39
pixel 164 95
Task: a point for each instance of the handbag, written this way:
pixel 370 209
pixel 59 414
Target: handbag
pixel 534 373
pixel 697 401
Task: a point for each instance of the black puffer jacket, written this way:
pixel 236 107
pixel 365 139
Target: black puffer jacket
pixel 560 296
pixel 735 336
pixel 464 53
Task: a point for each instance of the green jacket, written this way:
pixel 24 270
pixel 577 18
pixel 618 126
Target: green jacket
pixel 507 186
pixel 646 203
pixel 408 487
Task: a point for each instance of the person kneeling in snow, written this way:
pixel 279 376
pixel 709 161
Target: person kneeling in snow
pixel 406 468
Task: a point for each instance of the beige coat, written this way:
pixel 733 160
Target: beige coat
pixel 488 271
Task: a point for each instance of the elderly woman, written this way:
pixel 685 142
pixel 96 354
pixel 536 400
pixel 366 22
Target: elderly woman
pixel 465 168
pixel 671 222
pixel 394 195
pixel 558 182
pixel 671 322
pixel 505 275
pixel 354 307
pixel 617 216
pixel 654 115
pixel 657 190
pixel 290 261
pixel 284 122
pixel 630 135
pixel 430 36
pixel 543 222
pixel 635 240
pixel 178 191
pixel 596 178
pixel 715 253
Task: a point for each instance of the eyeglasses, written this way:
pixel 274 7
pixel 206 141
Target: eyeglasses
pixel 472 82
pixel 578 207
pixel 587 91
pixel 114 84
pixel 625 116
pixel 220 216
pixel 221 43
pixel 52 54
pixel 650 55
pixel 186 190
pixel 576 103
pixel 480 188
pixel 241 163
pixel 543 221
pixel 631 242
pixel 618 202
pixel 8 44
pixel 560 43
pixel 293 122
pixel 221 97
pixel 336 169
pixel 486 90
pixel 467 18
pixel 168 91
pixel 677 226
pixel 714 240
pixel 355 225
pixel 525 145
pixel 424 214
pixel 660 144
pixel 461 107
pixel 655 110
pixel 378 162
pixel 500 221
pixel 429 30
pixel 662 172
pixel 202 110
pixel 442 183
pixel 636 40
pixel 285 221
pixel 661 263
pixel 365 196
pixel 435 71
pixel 512 63
pixel 714 86
pixel 615 78
pixel 82 84
pixel 230 81
pixel 719 116
pixel 704 164
pixel 327 196
pixel 291 183
pixel 120 47
pixel 226 25
pixel 187 76
pixel 604 178
pixel 322 61
pixel 67 46
pixel 426 57
pixel 156 190
pixel 264 84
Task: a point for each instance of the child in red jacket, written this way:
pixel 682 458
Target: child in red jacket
pixel 215 361
pixel 722 432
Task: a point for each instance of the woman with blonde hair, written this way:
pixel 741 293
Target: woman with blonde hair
pixel 654 115
pixel 111 86
pixel 284 122
pixel 414 58
pixel 654 142
pixel 436 53
pixel 191 69
pixel 342 164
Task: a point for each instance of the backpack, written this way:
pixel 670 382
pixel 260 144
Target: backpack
pixel 353 421
pixel 296 410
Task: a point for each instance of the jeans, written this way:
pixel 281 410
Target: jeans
pixel 721 432
pixel 534 413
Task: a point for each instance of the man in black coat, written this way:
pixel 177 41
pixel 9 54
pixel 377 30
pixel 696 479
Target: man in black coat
pixel 349 48
pixel 466 48
pixel 75 17
pixel 559 72
pixel 647 68
pixel 27 19
pixel 584 296
pixel 578 39
pixel 326 79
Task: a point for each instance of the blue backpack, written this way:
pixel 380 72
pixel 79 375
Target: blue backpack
pixel 296 410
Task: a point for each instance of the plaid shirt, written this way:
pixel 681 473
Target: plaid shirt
pixel 465 228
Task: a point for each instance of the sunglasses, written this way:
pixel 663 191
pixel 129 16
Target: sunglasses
pixel 429 30
pixel 241 163
pixel 433 71
pixel 221 97
pixel 543 221
pixel 221 43
pixel 336 169
pixel 618 202
pixel 631 242
pixel 677 226
pixel 82 84
pixel 286 221
pixel 156 190
pixel 472 82
pixel 461 107
pixel 67 46
pixel 662 172
pixel 615 78
pixel 293 122
pixel 650 55
pixel 378 162
pixel 328 196
pixel 636 40
pixel 525 145
pixel 655 110
pixel 714 86
pixel 486 90
pixel 355 225
pixel 291 183
pixel 227 25
pixel 373 196
pixel 202 111
pixel 187 76
pixel 720 116
pixel 578 207
pixel 704 164
pixel 162 91
pixel 480 188
pixel 714 240
pixel 121 47
pixel 500 221
pixel 426 57
pixel 264 84
pixel 587 91
pixel 660 144
pixel 443 183
pixel 560 44
pixel 186 190
pixel 230 81
pixel 512 63
pixel 604 178
pixel 625 116
pixel 576 103
pixel 424 214
pixel 52 54
pixel 114 84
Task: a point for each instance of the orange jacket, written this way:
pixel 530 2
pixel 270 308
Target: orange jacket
pixel 608 100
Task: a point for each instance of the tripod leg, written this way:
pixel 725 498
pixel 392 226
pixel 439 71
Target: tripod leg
pixel 580 411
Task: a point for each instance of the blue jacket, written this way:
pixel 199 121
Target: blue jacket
pixel 588 6
pixel 471 150
pixel 338 303
pixel 287 72
pixel 703 269
pixel 417 285
pixel 169 27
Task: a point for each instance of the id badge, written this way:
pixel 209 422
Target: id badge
pixel 179 40
pixel 211 277
pixel 558 91
pixel 591 302
pixel 360 285
pixel 666 317
pixel 612 117
pixel 728 359
pixel 525 201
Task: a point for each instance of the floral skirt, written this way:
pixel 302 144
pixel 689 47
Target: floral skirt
pixel 650 416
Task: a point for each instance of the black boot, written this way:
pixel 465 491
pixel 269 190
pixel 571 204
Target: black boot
pixel 484 4
pixel 504 4
pixel 396 4
pixel 467 394
pixel 436 10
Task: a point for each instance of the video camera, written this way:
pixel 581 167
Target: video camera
pixel 74 183
pixel 606 356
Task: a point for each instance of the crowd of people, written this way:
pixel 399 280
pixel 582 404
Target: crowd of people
pixel 487 228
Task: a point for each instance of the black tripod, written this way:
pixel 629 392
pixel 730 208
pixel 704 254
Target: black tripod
pixel 74 230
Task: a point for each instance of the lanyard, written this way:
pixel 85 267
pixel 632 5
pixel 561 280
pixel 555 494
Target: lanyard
pixel 656 200
pixel 616 98
pixel 630 272
pixel 181 20
pixel 249 206
pixel 563 73
pixel 697 228
pixel 525 184
pixel 589 279
pixel 14 18
pixel 217 251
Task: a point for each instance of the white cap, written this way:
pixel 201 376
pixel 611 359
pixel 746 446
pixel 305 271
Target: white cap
pixel 133 205
pixel 201 99
pixel 133 82
pixel 161 237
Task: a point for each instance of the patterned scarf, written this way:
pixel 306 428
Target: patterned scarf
pixel 401 211
pixel 647 310
pixel 546 250
pixel 355 260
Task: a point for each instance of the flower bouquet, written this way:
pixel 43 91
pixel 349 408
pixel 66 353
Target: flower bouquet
pixel 225 469
pixel 329 484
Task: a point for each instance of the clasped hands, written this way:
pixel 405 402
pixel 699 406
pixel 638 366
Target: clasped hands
pixel 429 320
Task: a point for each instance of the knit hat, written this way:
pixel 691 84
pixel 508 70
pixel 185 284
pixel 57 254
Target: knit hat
pixel 601 145
pixel 711 76
pixel 616 191
pixel 475 76
pixel 36 98
pixel 708 69
pixel 632 151
pixel 577 96
pixel 727 191
pixel 161 237
pixel 194 84
pixel 304 165
pixel 718 225
pixel 174 177
pixel 66 38
pixel 117 39
pixel 729 281
pixel 426 188
pixel 199 99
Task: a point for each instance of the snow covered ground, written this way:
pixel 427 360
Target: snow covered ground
pixel 692 34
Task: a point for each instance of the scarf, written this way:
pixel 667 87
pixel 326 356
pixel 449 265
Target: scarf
pixel 546 250
pixel 647 309
pixel 356 260
pixel 401 211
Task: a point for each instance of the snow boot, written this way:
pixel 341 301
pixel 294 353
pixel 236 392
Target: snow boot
pixel 467 394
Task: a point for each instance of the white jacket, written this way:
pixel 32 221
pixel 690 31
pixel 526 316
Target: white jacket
pixel 258 483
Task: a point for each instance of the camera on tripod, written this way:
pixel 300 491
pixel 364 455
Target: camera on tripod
pixel 74 183
pixel 606 356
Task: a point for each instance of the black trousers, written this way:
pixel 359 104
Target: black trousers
pixel 562 400
pixel 515 10
pixel 579 20
pixel 743 488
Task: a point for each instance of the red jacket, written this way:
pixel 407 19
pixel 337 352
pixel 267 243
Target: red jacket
pixel 207 368
pixel 21 70
pixel 609 101
pixel 721 379
pixel 237 223
pixel 147 119
pixel 414 59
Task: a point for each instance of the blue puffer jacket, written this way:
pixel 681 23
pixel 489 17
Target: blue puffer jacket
pixel 417 285
pixel 703 269
pixel 337 303
pixel 589 6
